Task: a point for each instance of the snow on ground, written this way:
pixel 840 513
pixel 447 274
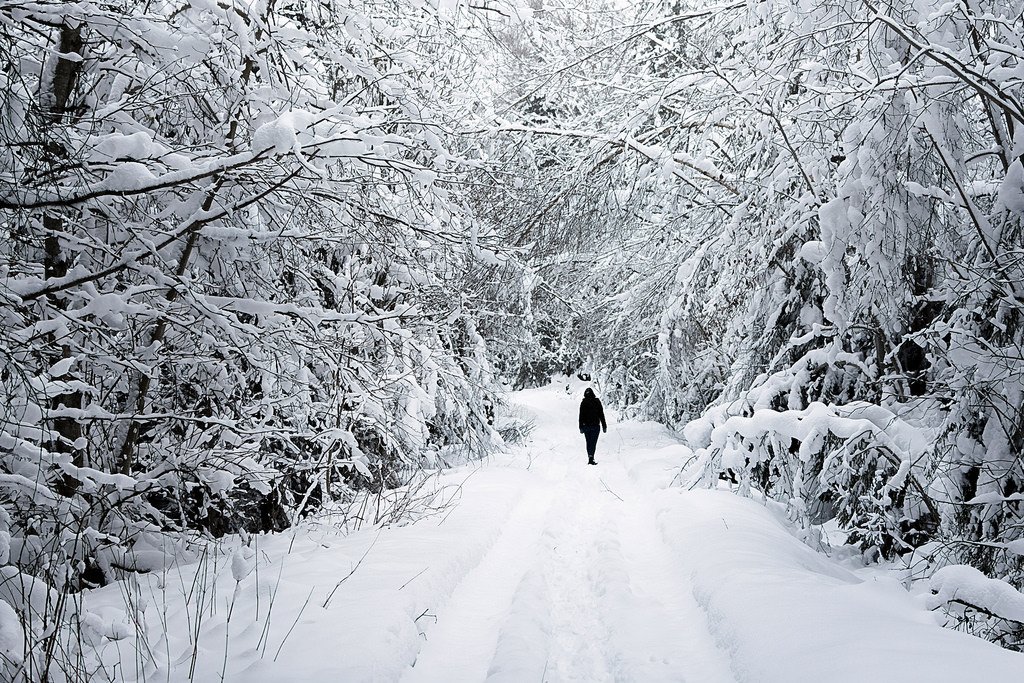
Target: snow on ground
pixel 546 570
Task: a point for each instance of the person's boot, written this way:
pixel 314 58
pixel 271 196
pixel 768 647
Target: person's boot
pixel 591 462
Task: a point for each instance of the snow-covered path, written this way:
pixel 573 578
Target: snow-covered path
pixel 545 570
pixel 579 586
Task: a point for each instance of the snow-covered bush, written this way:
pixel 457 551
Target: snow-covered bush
pixel 979 604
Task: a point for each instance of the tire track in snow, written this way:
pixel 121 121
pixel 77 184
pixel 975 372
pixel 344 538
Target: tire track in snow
pixel 579 645
pixel 662 632
pixel 521 653
pixel 468 623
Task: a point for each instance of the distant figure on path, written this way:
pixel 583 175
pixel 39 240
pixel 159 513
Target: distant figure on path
pixel 591 421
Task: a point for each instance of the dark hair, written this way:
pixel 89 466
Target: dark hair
pixel 589 393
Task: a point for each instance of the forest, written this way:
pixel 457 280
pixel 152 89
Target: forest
pixel 266 258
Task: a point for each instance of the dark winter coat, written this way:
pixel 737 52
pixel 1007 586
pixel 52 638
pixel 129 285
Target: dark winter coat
pixel 591 411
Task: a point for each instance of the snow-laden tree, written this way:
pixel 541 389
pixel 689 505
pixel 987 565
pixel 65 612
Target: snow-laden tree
pixel 893 303
pixel 231 280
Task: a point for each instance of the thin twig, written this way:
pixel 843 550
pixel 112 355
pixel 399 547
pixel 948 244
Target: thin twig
pixel 609 490
pixel 352 570
pixel 413 578
pixel 292 628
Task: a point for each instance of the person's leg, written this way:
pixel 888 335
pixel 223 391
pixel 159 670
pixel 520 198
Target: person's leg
pixel 591 434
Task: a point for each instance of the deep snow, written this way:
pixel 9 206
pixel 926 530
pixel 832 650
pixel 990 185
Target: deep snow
pixel 546 569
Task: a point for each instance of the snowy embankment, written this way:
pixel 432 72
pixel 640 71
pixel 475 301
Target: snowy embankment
pixel 788 613
pixel 546 569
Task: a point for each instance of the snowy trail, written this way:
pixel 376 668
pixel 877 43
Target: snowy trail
pixel 546 570
pixel 584 546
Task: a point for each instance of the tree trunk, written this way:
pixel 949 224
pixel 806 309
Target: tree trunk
pixel 55 96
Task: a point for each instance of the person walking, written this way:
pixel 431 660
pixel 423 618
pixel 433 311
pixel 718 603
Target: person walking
pixel 591 422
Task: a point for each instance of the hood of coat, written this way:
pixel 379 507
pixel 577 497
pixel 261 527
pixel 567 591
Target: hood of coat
pixel 589 393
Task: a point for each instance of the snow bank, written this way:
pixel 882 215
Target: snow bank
pixel 311 605
pixel 788 613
